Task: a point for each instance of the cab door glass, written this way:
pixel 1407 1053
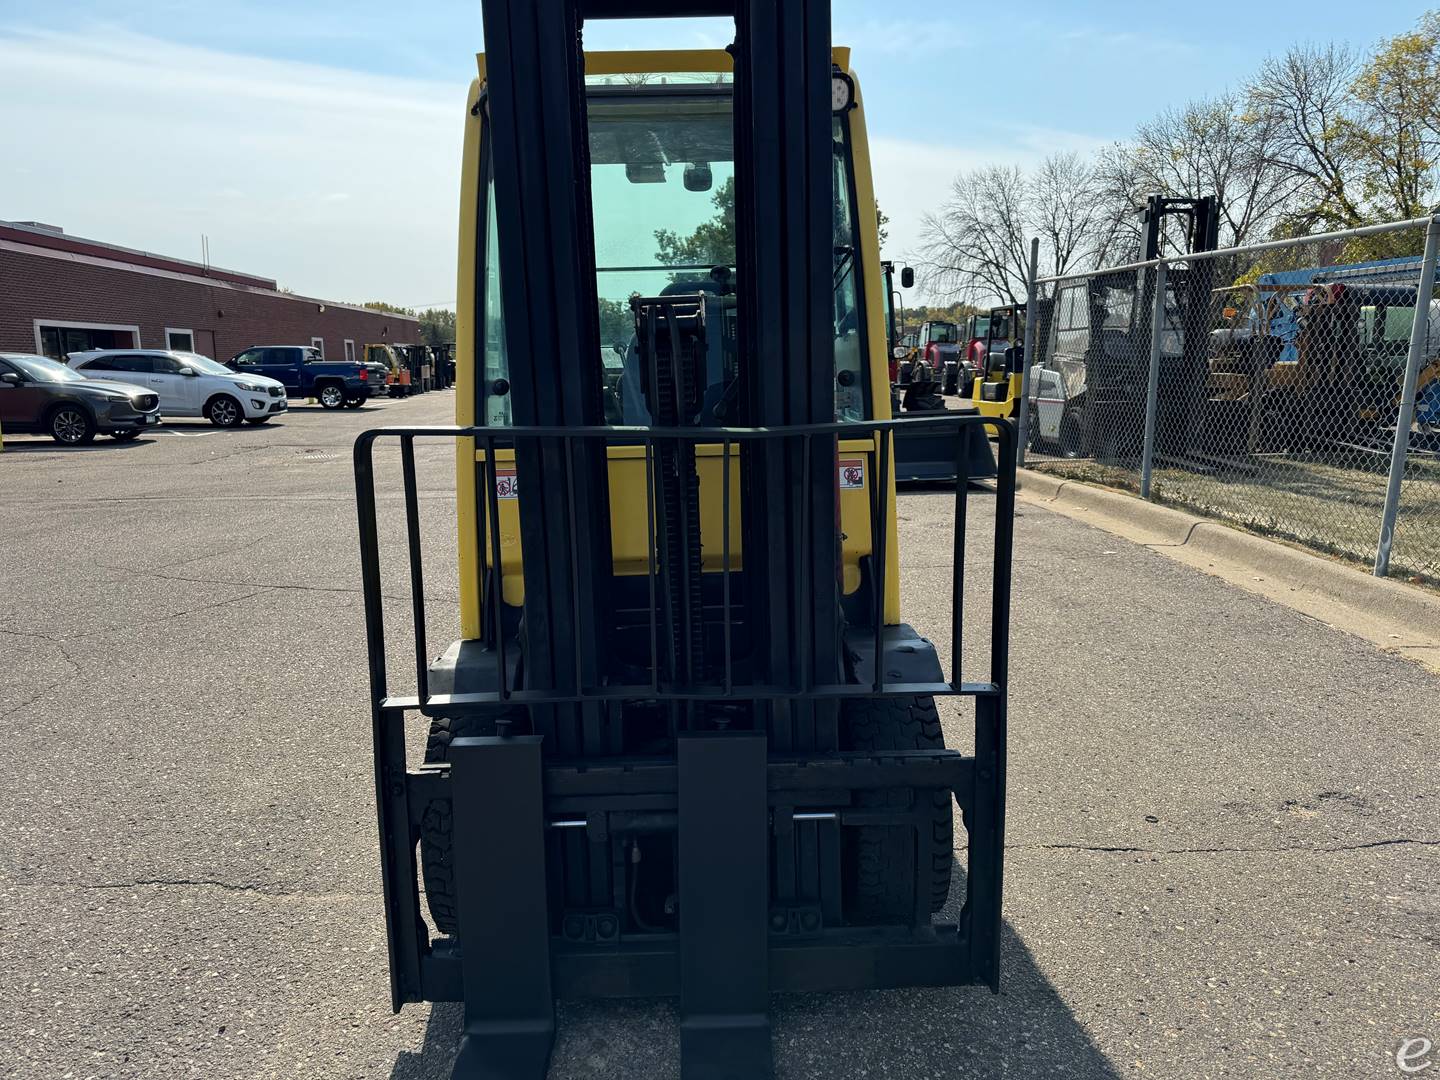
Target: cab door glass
pixel 496 380
pixel 1072 322
pixel 849 326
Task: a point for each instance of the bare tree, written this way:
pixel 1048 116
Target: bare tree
pixel 1302 97
pixel 1209 147
pixel 1064 211
pixel 1119 187
pixel 977 246
pixel 974 247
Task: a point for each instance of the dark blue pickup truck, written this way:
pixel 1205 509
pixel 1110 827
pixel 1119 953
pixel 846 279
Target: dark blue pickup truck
pixel 334 383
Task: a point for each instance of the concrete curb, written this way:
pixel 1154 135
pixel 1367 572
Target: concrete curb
pixel 1414 612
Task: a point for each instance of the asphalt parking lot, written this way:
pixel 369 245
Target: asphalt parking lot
pixel 1223 820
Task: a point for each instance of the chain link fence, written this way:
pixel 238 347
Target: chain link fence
pixel 1291 388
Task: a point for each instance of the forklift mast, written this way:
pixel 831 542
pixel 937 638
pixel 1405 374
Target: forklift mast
pixel 684 724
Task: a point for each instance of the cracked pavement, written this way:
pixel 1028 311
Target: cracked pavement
pixel 1222 814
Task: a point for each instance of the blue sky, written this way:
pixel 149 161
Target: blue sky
pixel 318 142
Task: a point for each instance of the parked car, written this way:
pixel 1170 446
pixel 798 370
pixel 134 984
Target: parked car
pixel 188 384
pixel 43 395
pixel 335 383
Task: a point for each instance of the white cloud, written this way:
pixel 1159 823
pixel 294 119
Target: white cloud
pixel 339 184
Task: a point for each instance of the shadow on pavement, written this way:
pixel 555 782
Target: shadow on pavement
pixel 437 1055
pixel 1027 1030
pixel 16 444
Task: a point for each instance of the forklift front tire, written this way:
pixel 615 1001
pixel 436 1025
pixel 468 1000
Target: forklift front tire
pixel 885 876
pixel 437 826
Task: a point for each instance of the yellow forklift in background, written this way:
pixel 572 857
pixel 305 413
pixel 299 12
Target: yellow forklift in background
pixel 999 355
pixel 383 363
pixel 685 745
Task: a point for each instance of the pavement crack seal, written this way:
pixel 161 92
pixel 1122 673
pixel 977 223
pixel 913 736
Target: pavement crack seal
pixel 211 607
pixel 269 585
pixel 251 584
pixel 1294 850
pixel 164 883
pixel 252 888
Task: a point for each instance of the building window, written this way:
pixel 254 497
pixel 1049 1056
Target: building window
pixel 349 351
pixel 179 340
pixel 56 339
pixel 318 344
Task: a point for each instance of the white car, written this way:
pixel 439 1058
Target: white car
pixel 188 384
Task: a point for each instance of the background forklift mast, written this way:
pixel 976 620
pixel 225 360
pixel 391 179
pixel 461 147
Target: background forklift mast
pixel 895 316
pixel 1099 345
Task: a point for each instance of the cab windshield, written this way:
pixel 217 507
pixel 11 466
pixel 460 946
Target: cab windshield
pixel 663 191
pixel 662 174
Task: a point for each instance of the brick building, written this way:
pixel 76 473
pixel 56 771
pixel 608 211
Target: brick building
pixel 61 294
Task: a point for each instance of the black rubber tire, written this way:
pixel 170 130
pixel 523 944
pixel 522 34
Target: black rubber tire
pixel 70 425
pixel 437 868
pixel 1072 434
pixel 881 887
pixel 329 400
pixel 125 436
pixel 224 411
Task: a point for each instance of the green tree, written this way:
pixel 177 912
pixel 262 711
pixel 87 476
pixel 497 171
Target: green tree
pixel 711 244
pixel 617 324
pixel 437 326
pixel 884 223
pixel 1393 129
pixel 381 305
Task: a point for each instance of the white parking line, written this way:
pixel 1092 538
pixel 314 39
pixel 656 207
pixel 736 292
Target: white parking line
pixel 180 434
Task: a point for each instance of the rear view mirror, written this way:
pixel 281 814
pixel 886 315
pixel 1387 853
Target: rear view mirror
pixel 645 172
pixel 186 371
pixel 898 352
pixel 907 277
pixel 698 177
pixel 11 378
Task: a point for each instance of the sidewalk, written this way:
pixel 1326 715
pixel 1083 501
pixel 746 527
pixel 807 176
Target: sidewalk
pixel 1400 619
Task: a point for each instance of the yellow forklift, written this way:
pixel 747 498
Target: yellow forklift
pixel 685 745
pixel 384 364
pixel 999 357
